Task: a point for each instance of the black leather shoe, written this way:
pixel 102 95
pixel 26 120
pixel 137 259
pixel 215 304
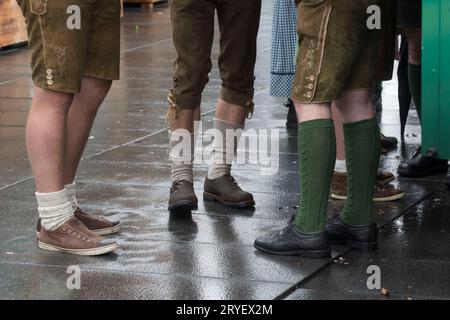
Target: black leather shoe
pixel 290 242
pixel 420 166
pixel 362 237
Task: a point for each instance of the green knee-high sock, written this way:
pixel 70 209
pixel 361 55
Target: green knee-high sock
pixel 362 149
pixel 317 155
pixel 415 86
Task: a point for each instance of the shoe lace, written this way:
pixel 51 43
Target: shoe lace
pixel 416 153
pixel 380 187
pixel 81 212
pixel 288 225
pixel 232 179
pixel 176 185
pixel 233 182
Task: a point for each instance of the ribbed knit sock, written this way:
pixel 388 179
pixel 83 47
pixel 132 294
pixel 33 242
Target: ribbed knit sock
pixel 362 148
pixel 415 86
pixel 181 155
pixel 54 209
pixel 317 155
pixel 226 140
pixel 70 191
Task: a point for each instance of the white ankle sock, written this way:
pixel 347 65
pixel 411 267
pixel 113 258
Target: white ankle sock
pixel 224 149
pixel 340 166
pixel 70 191
pixel 54 209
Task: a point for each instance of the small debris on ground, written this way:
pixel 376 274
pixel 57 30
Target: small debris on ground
pixel 341 260
pixel 385 292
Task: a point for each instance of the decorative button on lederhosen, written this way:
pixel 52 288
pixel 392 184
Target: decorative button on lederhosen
pixel 49 77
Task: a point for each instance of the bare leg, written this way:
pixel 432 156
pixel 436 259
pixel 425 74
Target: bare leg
pixel 184 119
pixel 230 113
pixel 80 119
pixel 314 111
pixel 339 130
pixel 355 106
pixel 46 138
pixel 414 36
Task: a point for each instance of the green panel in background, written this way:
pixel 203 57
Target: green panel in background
pixel 436 77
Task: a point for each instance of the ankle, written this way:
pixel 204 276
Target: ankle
pixel 54 209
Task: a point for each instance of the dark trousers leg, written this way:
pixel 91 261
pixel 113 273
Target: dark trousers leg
pixel 404 94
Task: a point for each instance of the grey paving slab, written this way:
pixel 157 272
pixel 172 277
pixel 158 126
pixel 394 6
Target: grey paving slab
pixel 49 282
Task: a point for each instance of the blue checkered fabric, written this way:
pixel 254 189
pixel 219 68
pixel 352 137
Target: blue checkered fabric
pixel 284 41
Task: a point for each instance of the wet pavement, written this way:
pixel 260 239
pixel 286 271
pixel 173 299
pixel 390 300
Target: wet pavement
pixel 209 254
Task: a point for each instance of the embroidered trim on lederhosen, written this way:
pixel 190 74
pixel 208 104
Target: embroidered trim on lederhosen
pixel 310 64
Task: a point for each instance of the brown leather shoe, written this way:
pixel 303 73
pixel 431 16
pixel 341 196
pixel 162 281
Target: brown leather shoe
pixel 388 143
pixel 384 177
pixel 96 224
pixel 382 193
pixel 73 237
pixel 226 191
pixel 182 196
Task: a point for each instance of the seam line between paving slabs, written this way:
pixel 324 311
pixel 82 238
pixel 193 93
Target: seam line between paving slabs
pixel 297 286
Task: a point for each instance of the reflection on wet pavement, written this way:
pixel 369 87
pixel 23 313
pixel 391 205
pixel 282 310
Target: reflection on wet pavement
pixel 208 253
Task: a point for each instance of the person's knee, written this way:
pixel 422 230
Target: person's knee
pixel 98 88
pixel 59 102
pixel 355 105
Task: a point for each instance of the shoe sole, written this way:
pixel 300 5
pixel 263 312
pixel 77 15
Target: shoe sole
pixel 101 232
pixel 212 197
pixel 183 205
pixel 358 245
pixel 110 230
pixel 429 172
pixel 302 253
pixel 383 199
pixel 80 252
